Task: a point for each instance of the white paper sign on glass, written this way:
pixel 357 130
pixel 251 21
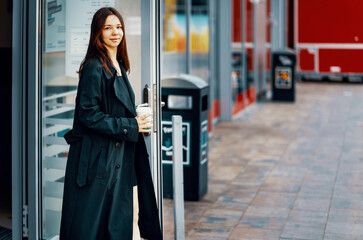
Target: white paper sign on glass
pixel 78 23
pixel 55 26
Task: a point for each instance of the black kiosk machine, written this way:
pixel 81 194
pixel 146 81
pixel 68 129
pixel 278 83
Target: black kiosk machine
pixel 186 95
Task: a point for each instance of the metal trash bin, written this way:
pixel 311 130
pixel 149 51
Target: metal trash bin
pixel 186 95
pixel 283 75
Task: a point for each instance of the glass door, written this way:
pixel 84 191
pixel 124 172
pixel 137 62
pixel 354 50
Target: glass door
pixel 65 29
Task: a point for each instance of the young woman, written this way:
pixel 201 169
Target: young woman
pixel 107 154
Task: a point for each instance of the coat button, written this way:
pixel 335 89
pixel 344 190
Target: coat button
pixel 125 131
pixel 118 166
pixel 117 144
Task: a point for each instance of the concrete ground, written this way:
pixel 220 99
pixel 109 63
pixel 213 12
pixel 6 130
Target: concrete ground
pixel 285 171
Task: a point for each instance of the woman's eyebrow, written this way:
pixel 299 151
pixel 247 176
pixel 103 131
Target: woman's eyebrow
pixel 113 25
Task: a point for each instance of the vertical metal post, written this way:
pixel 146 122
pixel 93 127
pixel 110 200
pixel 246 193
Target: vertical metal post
pixel 178 184
pixel 278 25
pixel 224 27
pixel 259 40
pixel 212 57
pixel 188 14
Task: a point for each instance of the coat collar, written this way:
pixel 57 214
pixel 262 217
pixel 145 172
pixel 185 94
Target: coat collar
pixel 132 94
pixel 123 89
pixel 112 69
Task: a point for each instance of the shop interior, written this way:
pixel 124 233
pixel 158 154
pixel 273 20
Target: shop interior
pixel 5 119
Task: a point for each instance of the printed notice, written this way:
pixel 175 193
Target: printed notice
pixel 55 34
pixel 78 23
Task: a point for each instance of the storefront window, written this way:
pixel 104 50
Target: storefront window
pixel 175 39
pixel 199 39
pixel 66 29
pixel 250 49
pixel 238 63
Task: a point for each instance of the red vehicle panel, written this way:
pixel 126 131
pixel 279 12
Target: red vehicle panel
pixel 341 60
pixel 332 30
pixel 306 60
pixel 330 21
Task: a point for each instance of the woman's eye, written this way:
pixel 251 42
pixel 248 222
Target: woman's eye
pixel 119 27
pixel 107 28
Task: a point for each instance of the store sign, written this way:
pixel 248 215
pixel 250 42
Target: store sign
pixel 283 77
pixel 167 142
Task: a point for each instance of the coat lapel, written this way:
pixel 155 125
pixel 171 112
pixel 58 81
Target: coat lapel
pixel 131 91
pixel 122 91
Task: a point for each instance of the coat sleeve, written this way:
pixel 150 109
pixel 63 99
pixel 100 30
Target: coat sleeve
pixel 90 113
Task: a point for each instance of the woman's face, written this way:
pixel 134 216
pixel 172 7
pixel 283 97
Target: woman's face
pixel 112 33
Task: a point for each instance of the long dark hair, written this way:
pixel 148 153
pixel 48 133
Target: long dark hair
pixel 96 48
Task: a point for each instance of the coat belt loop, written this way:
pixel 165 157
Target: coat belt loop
pixel 84 161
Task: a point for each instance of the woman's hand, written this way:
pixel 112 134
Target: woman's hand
pixel 145 123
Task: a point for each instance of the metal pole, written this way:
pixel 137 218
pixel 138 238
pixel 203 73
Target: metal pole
pixel 188 12
pixel 178 184
pixel 224 26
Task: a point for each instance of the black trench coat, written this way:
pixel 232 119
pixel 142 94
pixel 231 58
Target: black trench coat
pixel 107 156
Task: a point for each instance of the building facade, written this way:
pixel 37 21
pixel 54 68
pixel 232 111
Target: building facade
pixel 225 43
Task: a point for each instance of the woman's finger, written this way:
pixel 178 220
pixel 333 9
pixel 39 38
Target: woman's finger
pixel 146 126
pixel 145 121
pixel 145 130
pixel 146 116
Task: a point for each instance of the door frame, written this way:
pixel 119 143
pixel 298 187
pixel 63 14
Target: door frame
pixel 18 118
pixel 26 111
pixel 151 75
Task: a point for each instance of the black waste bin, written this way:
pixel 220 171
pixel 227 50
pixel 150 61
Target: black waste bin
pixel 283 75
pixel 186 95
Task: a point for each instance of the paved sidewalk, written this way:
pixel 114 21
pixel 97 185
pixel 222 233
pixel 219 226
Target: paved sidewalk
pixel 285 171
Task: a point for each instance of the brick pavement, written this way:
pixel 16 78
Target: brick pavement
pixel 285 171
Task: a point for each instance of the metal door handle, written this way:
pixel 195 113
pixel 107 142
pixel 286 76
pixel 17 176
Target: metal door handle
pixel 147 101
pixel 155 110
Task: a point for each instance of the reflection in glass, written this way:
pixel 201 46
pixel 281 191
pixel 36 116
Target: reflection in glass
pixel 249 49
pixel 199 39
pixel 175 40
pixel 57 117
pixel 58 95
pixel 238 64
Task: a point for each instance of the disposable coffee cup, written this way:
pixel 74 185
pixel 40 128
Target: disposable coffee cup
pixel 141 111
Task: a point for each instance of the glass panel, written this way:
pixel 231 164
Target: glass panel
pixel 58 91
pixel 199 39
pixel 174 38
pixel 249 49
pixel 65 30
pixel 237 58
